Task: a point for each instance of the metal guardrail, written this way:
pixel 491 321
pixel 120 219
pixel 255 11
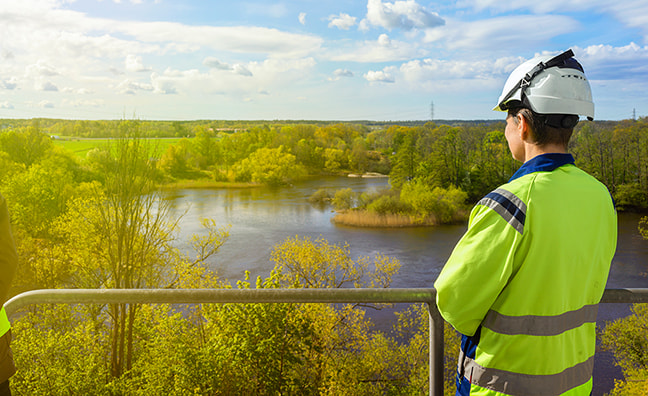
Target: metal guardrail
pixel 331 296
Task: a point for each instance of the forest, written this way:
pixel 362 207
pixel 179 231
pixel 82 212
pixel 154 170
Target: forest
pixel 110 199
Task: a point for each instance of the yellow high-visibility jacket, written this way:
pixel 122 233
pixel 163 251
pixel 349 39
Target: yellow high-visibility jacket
pixel 523 284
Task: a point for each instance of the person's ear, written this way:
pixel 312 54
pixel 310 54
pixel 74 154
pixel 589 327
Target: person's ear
pixel 523 127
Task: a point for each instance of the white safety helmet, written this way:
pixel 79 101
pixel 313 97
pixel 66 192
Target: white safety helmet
pixel 549 85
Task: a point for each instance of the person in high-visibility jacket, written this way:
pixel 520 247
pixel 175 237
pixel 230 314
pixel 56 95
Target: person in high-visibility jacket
pixel 523 284
pixel 8 266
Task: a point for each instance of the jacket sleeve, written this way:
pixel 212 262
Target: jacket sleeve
pixel 478 269
pixel 8 255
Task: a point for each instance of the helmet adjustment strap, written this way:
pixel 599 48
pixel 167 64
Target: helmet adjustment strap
pixel 559 121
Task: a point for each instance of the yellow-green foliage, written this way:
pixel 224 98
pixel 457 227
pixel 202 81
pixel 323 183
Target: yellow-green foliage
pixel 628 339
pixel 273 167
pixel 261 349
pixel 444 205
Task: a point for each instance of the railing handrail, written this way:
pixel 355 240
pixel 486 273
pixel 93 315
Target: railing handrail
pixel 196 296
pixel 331 296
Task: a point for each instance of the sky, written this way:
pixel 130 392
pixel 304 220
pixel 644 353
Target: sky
pixel 307 60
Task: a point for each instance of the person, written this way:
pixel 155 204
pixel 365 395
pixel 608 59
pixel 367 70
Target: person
pixel 523 284
pixel 8 266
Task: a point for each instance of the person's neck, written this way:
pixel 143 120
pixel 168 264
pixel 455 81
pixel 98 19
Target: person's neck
pixel 533 150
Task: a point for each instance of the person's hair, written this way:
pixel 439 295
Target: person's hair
pixel 541 132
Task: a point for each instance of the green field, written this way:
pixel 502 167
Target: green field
pixel 81 146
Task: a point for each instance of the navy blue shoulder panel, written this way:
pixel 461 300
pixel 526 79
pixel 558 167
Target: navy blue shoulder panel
pixel 508 205
pixel 543 163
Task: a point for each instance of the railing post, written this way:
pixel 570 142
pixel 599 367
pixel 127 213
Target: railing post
pixel 436 350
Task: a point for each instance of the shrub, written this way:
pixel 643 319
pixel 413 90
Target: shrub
pixel 630 195
pixel 443 204
pixel 628 339
pixel 388 205
pixel 344 199
pixel 320 197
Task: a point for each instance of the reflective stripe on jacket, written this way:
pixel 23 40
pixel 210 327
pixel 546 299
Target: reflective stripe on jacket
pixel 523 284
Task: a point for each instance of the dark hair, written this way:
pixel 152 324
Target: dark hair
pixel 544 129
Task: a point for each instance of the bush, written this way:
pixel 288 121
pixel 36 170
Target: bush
pixel 344 199
pixel 320 197
pixel 388 205
pixel 367 197
pixel 628 339
pixel 630 195
pixel 443 204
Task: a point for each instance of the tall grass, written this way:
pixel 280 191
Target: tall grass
pixel 363 218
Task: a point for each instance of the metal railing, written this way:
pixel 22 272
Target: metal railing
pixel 330 296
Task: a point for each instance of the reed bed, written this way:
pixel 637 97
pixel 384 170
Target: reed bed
pixel 363 218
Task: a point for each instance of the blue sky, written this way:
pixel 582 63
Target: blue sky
pixel 310 59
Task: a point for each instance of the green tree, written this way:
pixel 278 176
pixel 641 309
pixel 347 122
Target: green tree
pixel 405 163
pixel 25 146
pixel 273 167
pixel 335 160
pixel 127 236
pixel 175 161
pixel 205 149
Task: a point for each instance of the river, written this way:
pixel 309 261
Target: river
pixel 260 218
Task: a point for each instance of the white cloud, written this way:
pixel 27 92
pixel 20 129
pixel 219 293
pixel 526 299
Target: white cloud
pixel 43 27
pixel 419 72
pixel 80 91
pixel 46 104
pixel 129 87
pixel 386 75
pixel 240 39
pixel 342 21
pixel 495 33
pixel 41 68
pixel 6 105
pixel 339 73
pixel 239 80
pixel 238 68
pixel 47 86
pixel 606 62
pixel 216 64
pixel 302 18
pixel 343 73
pixel 405 15
pixel 633 13
pixel 9 84
pixel 242 70
pixel 167 82
pixel 382 50
pixel 135 64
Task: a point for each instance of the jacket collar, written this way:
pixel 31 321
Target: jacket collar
pixel 543 163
